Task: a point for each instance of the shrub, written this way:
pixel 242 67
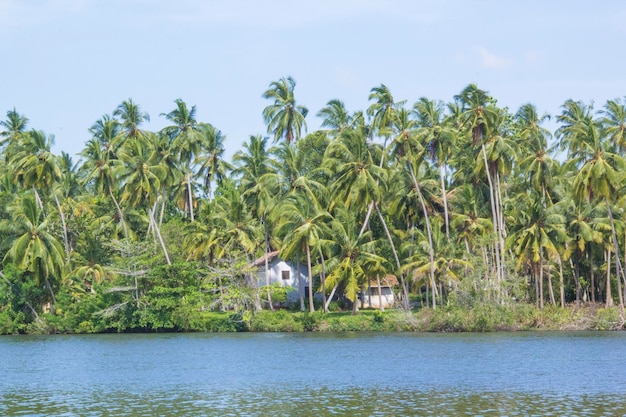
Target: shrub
pixel 275 321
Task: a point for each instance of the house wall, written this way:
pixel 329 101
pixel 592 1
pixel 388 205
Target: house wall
pixel 276 269
pixel 372 295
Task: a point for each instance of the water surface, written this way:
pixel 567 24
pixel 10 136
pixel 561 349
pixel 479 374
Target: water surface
pixel 314 374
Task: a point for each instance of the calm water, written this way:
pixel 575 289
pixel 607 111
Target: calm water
pixel 507 374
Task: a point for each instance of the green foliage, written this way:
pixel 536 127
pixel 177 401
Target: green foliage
pixel 607 319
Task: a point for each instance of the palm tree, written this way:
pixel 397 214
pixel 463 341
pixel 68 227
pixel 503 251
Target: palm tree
pixel 131 118
pixel 335 116
pixel 446 262
pixel 614 124
pixel 284 118
pixel 213 167
pixel 36 167
pixel 383 111
pixel 357 178
pixel 409 152
pixel 439 136
pixel 538 167
pixel 478 117
pixel 353 257
pixel 15 128
pixel 140 176
pixel 540 231
pixel 97 172
pixel 600 172
pixel 186 139
pixel 303 223
pixel 33 249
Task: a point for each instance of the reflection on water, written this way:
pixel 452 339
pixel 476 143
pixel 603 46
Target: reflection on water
pixel 309 402
pixel 514 374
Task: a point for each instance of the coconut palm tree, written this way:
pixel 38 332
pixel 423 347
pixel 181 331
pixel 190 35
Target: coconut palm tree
pixel 539 232
pixel 477 118
pixel 34 249
pixel 140 175
pixel 535 164
pixel 213 166
pixel 336 117
pixel 14 128
pixel 439 136
pixel 303 224
pixel 131 118
pixel 353 257
pixel 614 125
pixel 600 172
pixel 185 140
pixel 284 118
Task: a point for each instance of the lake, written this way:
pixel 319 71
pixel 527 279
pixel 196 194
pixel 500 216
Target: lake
pixel 314 374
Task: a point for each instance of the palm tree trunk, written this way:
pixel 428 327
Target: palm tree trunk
pixel 494 215
pixel 300 284
pixel 541 282
pixel 380 294
pixel 189 196
pixel 561 283
pixel 308 261
pixel 323 278
pixel 37 198
pixel 163 198
pixel 367 220
pixel 159 237
pixel 53 299
pixel 405 303
pixel 550 289
pixel 267 267
pixel 593 279
pixel 119 212
pixel 536 274
pixel 330 297
pixel 431 252
pixel 618 264
pixel 63 225
pixel 444 196
pixel 608 296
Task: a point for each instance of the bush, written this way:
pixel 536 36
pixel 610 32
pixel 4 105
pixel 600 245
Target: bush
pixel 607 319
pixel 276 321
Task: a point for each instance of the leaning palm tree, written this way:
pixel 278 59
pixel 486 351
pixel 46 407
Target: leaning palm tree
pixel 284 118
pixel 439 136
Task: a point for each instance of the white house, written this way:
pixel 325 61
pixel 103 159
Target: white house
pixel 371 297
pixel 284 273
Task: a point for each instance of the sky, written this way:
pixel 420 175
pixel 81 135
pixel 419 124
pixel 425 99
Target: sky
pixel 66 63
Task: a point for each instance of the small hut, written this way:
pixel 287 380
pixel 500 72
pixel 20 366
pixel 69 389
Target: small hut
pixel 373 298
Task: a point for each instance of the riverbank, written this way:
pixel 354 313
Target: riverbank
pixel 481 318
pixel 484 318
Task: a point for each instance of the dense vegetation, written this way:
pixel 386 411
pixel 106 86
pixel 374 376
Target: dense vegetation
pixel 471 206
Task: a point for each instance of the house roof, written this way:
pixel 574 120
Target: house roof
pixel 261 261
pixel 387 281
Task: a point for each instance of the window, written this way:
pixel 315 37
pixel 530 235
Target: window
pixel 285 275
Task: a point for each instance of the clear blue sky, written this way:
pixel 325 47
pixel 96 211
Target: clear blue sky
pixel 65 63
